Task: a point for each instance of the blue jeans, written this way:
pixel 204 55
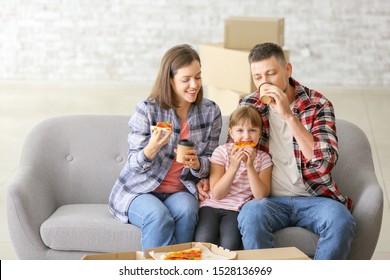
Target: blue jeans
pixel 164 219
pixel 331 220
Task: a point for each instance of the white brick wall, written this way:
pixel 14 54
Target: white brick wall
pixel 331 42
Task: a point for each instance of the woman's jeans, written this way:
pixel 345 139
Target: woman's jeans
pixel 331 220
pixel 164 219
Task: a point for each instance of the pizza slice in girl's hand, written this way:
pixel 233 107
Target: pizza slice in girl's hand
pixel 188 254
pixel 242 144
pixel 165 126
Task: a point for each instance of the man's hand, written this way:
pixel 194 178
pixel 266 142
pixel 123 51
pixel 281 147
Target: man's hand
pixel 279 101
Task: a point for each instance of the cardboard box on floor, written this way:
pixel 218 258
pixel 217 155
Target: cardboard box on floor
pixel 288 253
pixel 243 33
pixel 226 68
pixel 226 99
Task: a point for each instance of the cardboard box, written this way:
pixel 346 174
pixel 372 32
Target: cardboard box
pixel 226 68
pixel 184 246
pixel 226 99
pixel 287 253
pixel 135 255
pixel 243 33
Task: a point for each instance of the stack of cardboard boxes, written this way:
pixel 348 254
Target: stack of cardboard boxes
pixel 225 69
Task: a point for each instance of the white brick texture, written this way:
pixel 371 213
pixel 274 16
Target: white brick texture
pixel 332 42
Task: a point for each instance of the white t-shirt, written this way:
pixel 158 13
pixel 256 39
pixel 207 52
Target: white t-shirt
pixel 286 178
pixel 240 191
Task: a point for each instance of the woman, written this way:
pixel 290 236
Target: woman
pixel 155 192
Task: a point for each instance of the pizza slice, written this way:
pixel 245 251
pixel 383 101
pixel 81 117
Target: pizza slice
pixel 166 126
pixel 188 254
pixel 242 144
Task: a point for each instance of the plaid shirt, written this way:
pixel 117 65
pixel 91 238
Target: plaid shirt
pixel 139 175
pixel 317 115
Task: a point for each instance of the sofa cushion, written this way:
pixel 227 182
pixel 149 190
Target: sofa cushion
pixel 301 238
pixel 89 227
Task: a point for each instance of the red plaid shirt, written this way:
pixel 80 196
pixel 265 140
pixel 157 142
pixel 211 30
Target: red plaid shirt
pixel 317 115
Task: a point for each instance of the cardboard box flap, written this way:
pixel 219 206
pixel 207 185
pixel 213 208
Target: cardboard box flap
pixel 286 253
pixel 134 255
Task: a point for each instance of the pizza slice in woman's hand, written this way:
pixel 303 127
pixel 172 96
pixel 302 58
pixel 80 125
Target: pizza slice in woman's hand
pixel 165 126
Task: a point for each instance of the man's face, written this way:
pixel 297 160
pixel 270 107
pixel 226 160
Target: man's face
pixel 272 71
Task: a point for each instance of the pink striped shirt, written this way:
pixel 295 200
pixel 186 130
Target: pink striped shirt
pixel 240 192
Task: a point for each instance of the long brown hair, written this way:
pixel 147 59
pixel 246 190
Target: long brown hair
pixel 175 58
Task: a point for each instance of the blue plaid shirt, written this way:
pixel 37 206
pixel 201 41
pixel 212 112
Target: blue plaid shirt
pixel 139 175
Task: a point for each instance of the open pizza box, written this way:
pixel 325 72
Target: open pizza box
pixel 209 251
pixel 287 253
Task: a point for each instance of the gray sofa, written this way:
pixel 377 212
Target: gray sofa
pixel 57 200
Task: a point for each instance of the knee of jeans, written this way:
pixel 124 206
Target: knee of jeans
pixel 343 221
pixel 347 223
pixel 253 211
pixel 189 214
pixel 163 217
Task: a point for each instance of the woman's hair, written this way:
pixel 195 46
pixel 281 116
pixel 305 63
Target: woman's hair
pixel 175 58
pixel 247 112
pixel 266 50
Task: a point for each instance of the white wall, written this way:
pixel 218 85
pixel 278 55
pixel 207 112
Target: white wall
pixel 331 42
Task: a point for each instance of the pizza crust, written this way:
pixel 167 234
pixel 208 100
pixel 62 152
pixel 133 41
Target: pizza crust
pixel 153 128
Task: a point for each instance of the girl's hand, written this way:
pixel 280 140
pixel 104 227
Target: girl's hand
pixel 250 154
pixel 236 157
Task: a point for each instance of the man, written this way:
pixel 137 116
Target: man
pixel 300 134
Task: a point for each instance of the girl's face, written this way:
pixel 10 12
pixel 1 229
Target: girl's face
pixel 187 82
pixel 245 131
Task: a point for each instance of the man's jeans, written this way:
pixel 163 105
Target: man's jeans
pixel 331 220
pixel 164 219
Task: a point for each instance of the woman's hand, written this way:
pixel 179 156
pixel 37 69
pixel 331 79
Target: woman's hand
pixel 158 139
pixel 203 187
pixel 191 159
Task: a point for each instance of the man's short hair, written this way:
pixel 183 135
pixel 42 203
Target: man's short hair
pixel 265 51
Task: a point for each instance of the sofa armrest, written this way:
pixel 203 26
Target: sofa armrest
pixel 30 201
pixel 368 212
pixel 355 175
